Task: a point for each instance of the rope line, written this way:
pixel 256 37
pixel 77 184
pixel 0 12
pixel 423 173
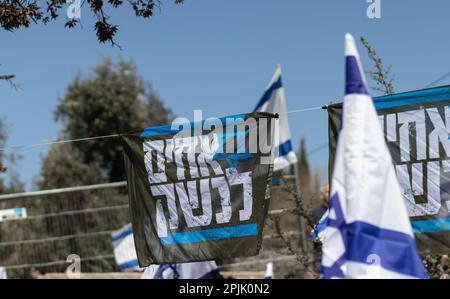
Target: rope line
pixel 58 142
pixel 18 147
pixel 303 110
pixel 60 262
pixel 443 77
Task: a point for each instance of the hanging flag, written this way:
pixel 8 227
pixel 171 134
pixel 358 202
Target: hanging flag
pixel 124 251
pixel 194 270
pixel 269 271
pixel 368 233
pixel 200 191
pixel 273 101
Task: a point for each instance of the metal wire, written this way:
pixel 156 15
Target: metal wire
pixel 63 190
pixel 53 239
pixel 60 262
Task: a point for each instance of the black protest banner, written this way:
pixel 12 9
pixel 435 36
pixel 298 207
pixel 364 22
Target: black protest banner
pixel 417 128
pixel 200 191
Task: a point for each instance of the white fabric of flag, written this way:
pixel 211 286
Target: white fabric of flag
pixel 273 101
pixel 368 233
pixel 124 249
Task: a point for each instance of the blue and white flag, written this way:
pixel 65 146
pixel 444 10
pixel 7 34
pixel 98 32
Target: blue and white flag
pixel 269 271
pixel 273 101
pixel 195 270
pixel 124 249
pixel 368 234
pixel 3 274
pixel 318 233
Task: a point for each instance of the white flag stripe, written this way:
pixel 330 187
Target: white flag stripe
pixel 124 249
pixel 269 271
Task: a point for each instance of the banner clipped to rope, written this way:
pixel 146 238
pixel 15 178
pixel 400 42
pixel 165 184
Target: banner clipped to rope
pixel 19 147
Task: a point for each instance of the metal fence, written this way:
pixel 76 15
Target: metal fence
pixel 80 220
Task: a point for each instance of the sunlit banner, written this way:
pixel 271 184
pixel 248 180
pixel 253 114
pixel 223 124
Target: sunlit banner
pixel 200 191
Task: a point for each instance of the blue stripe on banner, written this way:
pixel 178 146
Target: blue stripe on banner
pixel 160 130
pixel 167 129
pixel 238 231
pixel 412 97
pixel 353 77
pixel 396 250
pixel 431 225
pixel 129 265
pixel 122 235
pixel 268 93
pixel 285 148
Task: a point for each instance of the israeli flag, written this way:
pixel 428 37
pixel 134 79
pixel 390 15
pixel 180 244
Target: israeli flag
pixel 369 234
pixel 269 271
pixel 3 274
pixel 318 233
pixel 195 270
pixel 274 101
pixel 124 249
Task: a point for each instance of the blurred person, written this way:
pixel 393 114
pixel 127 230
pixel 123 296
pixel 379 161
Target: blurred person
pixel 319 215
pixel 318 220
pixel 318 212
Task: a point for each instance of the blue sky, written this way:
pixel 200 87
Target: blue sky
pixel 219 55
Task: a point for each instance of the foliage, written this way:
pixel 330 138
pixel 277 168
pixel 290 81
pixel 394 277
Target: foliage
pixel 310 198
pixel 114 99
pixel 16 14
pixel 303 168
pixel 437 266
pixel 382 76
pixel 7 165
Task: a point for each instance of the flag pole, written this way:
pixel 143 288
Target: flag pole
pixel 298 202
